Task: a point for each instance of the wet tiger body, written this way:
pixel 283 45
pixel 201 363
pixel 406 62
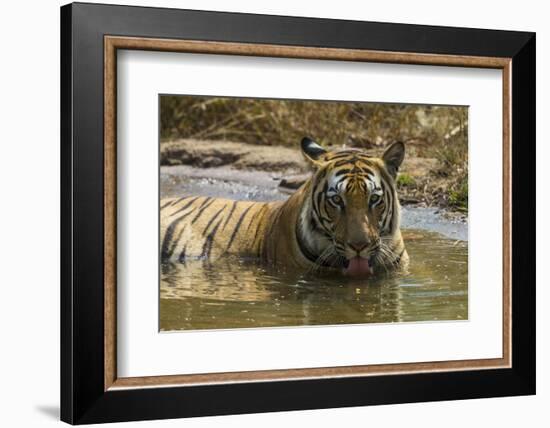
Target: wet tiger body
pixel 204 227
pixel 345 217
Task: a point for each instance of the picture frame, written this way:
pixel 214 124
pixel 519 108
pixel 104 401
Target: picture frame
pixel 91 391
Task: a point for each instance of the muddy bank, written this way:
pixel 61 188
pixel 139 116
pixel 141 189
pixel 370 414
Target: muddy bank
pixel 420 181
pixel 234 183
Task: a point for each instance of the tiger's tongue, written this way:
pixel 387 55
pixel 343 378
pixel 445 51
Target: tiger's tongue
pixel 358 266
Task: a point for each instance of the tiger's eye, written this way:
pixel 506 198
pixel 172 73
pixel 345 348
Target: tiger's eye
pixel 374 199
pixel 337 199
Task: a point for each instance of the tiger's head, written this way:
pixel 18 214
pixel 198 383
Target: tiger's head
pixel 351 217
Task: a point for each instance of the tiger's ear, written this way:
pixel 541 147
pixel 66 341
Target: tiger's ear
pixel 393 157
pixel 312 151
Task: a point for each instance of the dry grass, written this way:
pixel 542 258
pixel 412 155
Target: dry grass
pixel 429 131
pixel 284 122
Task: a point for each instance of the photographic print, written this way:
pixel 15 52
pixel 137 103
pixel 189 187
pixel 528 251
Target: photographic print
pixel 234 203
pixel 296 212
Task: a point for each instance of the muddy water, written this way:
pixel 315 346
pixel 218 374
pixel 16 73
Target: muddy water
pixel 233 293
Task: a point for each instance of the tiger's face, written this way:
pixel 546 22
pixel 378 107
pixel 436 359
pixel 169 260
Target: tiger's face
pixel 353 211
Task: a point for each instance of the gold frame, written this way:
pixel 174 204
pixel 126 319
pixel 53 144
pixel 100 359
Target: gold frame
pixel 113 43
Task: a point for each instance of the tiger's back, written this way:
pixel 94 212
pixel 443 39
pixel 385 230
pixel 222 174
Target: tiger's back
pixel 206 228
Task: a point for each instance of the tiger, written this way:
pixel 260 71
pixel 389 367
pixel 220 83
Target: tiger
pixel 345 218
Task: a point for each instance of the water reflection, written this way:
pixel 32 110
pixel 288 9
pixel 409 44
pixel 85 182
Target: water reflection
pixel 233 293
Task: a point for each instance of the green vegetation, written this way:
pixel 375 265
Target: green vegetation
pixel 453 156
pixel 405 180
pixel 458 194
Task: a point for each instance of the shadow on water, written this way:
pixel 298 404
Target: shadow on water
pixel 233 293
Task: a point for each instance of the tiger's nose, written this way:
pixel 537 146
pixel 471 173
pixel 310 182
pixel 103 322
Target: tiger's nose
pixel 358 245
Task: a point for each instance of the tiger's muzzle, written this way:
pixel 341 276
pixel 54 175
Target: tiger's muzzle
pixel 360 257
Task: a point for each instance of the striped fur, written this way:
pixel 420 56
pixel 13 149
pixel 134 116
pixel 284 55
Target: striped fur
pixel 348 208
